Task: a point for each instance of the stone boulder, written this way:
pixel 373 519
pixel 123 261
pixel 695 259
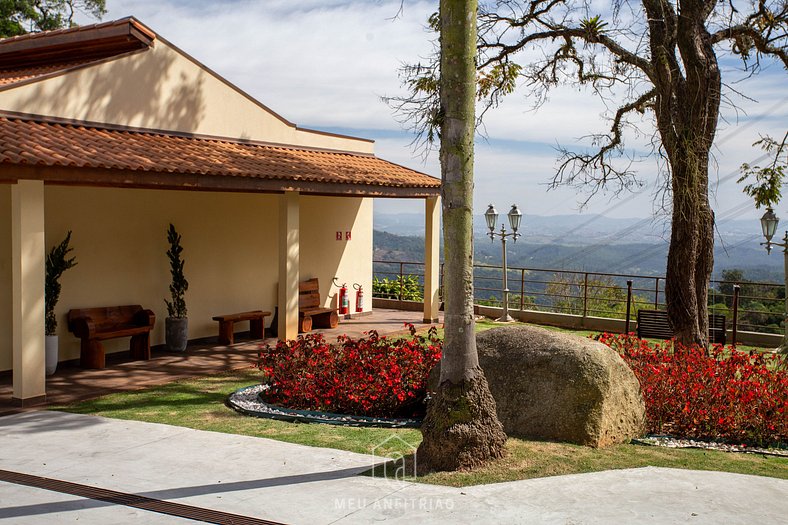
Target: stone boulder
pixel 559 387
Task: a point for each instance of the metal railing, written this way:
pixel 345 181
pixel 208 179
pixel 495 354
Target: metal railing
pixel 753 307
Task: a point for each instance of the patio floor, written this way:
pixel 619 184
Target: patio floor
pixel 71 383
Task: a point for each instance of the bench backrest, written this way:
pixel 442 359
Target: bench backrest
pixel 654 324
pixel 106 316
pixel 717 328
pixel 309 294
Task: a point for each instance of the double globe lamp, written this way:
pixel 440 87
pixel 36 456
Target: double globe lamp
pixel 515 216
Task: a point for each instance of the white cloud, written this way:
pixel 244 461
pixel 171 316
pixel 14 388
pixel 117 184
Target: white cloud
pixel 326 63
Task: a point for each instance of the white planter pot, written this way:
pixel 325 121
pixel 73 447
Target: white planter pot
pixel 51 344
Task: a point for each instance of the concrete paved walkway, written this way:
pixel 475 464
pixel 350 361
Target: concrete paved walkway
pixel 294 484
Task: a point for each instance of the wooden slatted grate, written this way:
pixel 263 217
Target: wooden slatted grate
pixel 132 500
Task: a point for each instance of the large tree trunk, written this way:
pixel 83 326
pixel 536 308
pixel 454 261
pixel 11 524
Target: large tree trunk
pixel 690 257
pixel 687 109
pixel 461 429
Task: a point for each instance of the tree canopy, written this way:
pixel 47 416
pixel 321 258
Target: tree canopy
pixel 653 62
pixel 18 17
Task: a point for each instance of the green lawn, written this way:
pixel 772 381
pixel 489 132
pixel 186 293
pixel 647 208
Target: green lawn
pixel 199 404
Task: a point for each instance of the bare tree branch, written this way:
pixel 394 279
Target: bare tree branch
pixel 596 169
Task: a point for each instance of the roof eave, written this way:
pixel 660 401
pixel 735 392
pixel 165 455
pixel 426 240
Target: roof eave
pixel 116 37
pixel 120 178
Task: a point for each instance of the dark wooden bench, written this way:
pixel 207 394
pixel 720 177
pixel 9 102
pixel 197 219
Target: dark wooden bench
pixel 256 320
pixel 93 325
pixel 654 324
pixel 310 313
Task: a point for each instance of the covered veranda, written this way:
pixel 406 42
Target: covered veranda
pixel 45 161
pixel 70 383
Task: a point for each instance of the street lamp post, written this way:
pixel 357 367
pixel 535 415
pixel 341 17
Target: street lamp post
pixel 769 223
pixel 491 216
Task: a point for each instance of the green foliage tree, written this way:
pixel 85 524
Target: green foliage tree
pixel 766 182
pixel 179 285
pixel 659 59
pixel 57 262
pixel 602 298
pixel 18 17
pixel 761 306
pixel 461 428
pixel 405 287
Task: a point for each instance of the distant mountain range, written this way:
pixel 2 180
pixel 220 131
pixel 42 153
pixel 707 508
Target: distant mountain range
pixel 587 243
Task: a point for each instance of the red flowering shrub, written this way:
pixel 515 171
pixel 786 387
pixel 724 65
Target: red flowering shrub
pixel 370 376
pixel 719 394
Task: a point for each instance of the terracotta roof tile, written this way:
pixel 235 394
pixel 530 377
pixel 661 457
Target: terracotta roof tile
pixel 12 76
pixel 89 28
pixel 51 48
pixel 35 141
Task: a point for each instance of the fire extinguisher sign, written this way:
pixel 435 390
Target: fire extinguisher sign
pixel 339 236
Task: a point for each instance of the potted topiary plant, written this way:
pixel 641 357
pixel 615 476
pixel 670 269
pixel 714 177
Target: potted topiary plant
pixel 57 262
pixel 176 325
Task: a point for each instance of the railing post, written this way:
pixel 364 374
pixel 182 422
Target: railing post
pixel 656 294
pixel 629 303
pixel 401 280
pixel 522 287
pixel 585 295
pixel 736 289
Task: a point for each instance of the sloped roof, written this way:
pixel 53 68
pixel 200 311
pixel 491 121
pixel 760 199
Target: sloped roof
pixel 81 43
pixel 93 154
pixel 13 76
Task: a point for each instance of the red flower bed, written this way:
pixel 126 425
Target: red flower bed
pixel 721 394
pixel 370 376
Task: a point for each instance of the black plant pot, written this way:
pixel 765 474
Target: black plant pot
pixel 176 333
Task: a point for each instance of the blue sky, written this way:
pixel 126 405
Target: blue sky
pixel 325 64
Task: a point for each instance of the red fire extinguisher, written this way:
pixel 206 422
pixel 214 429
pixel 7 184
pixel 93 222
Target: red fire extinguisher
pixel 359 297
pixel 343 300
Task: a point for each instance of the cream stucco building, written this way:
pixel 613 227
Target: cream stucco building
pixel 111 132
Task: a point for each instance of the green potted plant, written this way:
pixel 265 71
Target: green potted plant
pixel 57 262
pixel 176 325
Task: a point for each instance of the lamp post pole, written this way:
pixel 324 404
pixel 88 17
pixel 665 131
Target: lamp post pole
pixel 769 223
pixel 491 216
pixel 783 349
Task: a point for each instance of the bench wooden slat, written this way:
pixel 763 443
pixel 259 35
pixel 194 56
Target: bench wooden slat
pixel 93 325
pixel 310 285
pixel 243 316
pixel 308 301
pixel 121 332
pixel 311 312
pixel 654 324
pixel 256 320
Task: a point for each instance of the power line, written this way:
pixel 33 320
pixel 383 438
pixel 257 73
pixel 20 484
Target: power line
pixel 634 227
pixel 725 216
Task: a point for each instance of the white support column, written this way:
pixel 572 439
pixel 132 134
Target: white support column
pixel 27 270
pixel 289 263
pixel 432 209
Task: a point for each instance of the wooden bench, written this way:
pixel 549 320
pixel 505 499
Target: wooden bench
pixel 256 320
pixel 310 313
pixel 654 324
pixel 93 325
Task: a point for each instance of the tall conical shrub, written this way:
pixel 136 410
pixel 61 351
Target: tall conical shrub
pixel 57 262
pixel 177 306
